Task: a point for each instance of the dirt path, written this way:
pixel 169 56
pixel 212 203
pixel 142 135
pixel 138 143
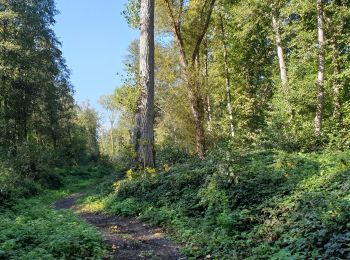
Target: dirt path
pixel 128 238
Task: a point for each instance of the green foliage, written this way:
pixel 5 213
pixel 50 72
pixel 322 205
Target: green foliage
pixel 84 146
pixel 238 63
pixel 238 203
pixel 32 230
pixel 27 174
pixel 8 183
pixel 40 126
pixel 127 207
pixel 23 174
pixel 247 204
pixel 132 13
pixel 36 100
pixel 339 137
pixel 171 153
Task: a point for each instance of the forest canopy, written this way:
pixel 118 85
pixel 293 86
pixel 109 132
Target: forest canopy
pixel 270 74
pixel 41 126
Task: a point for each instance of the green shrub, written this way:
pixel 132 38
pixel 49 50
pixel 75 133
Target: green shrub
pixel 248 204
pixel 31 230
pixel 127 207
pixel 171 153
pixel 8 182
pixel 13 186
pixel 338 132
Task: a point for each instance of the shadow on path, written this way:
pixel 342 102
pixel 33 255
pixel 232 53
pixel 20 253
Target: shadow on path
pixel 127 238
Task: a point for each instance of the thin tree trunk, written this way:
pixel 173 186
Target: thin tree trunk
pixel 111 121
pixel 112 142
pixel 321 69
pixel 336 85
pixel 281 61
pixel 227 78
pixel 145 147
pixel 210 118
pixel 206 72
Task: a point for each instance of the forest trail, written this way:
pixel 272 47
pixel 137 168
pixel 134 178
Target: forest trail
pixel 127 238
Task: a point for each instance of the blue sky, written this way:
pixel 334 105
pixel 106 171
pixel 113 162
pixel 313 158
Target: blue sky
pixel 95 38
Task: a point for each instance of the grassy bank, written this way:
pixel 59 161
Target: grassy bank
pixel 32 229
pixel 243 205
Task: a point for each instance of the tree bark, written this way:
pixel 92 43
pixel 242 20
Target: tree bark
pixel 336 84
pixel 198 117
pixel 190 71
pixel 112 142
pixel 145 118
pixel 210 117
pixel 281 61
pixel 227 77
pixel 321 70
pixel 206 74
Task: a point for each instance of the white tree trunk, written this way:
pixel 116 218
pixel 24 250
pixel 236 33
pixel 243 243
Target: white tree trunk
pixel 227 78
pixel 281 60
pixel 206 72
pixel 336 84
pixel 321 69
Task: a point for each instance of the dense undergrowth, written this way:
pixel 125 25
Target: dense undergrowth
pixel 32 229
pixel 243 204
pixel 29 169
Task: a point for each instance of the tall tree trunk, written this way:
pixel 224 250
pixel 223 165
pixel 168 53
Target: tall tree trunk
pixel 198 118
pixel 196 103
pixel 111 122
pixel 321 69
pixel 112 142
pixel 136 133
pixel 336 83
pixel 227 77
pixel 145 119
pixel 188 64
pixel 206 72
pixel 195 96
pixel 281 61
pixel 210 118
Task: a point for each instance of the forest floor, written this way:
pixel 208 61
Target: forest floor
pixel 127 238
